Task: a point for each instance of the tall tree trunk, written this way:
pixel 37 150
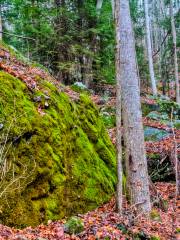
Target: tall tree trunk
pixel 149 48
pixel 87 71
pixel 0 24
pixel 136 163
pixel 175 52
pixel 62 53
pixel 99 5
pixel 113 8
pixel 118 108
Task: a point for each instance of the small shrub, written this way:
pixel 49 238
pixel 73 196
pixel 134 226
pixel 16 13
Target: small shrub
pixel 155 215
pixel 167 106
pixel 141 236
pixel 74 225
pixel 109 120
pixel 155 238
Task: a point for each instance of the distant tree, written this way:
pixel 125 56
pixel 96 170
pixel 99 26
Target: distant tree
pixel 127 77
pixel 99 5
pixel 113 7
pixel 116 12
pixel 175 52
pixel 0 24
pixel 149 49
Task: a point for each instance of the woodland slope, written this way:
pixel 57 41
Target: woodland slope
pixel 56 156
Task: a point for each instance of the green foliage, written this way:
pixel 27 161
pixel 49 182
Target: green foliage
pixel 177 124
pixel 80 88
pixel 76 43
pixel 158 116
pixel 155 238
pixel 155 215
pixel 74 225
pixel 109 120
pixel 140 236
pixel 122 227
pixel 64 37
pixel 168 106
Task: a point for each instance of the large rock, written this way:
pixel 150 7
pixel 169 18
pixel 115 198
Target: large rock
pixel 56 161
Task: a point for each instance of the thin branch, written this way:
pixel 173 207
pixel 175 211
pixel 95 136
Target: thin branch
pixel 19 36
pixel 161 44
pixel 176 160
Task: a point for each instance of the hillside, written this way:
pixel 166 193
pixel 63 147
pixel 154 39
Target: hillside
pixel 56 157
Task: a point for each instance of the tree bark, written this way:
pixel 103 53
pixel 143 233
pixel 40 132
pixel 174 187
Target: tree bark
pixel 99 6
pixel 175 52
pixel 149 49
pixel 113 8
pixel 118 109
pixel 1 29
pixel 136 163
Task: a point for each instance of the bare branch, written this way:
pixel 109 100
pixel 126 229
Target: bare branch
pixel 19 36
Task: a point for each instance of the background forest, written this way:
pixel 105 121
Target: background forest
pixel 75 40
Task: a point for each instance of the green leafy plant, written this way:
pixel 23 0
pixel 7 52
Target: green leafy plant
pixel 74 225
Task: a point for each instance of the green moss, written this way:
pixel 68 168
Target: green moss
pixel 177 124
pixel 65 159
pixel 80 89
pixel 155 215
pixel 109 120
pixel 140 235
pixel 74 225
pixel 155 238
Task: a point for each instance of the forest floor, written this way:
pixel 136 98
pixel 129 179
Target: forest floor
pixel 104 223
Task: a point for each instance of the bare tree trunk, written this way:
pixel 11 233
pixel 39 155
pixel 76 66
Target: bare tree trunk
pixel 175 161
pixel 175 52
pixel 113 7
pixel 87 72
pixel 149 48
pixel 155 26
pixel 136 163
pixel 88 60
pixel 99 5
pixel 118 108
pixel 0 24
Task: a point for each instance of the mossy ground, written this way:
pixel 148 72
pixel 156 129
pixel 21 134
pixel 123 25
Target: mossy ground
pixel 64 159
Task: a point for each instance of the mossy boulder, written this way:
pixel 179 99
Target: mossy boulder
pixel 56 157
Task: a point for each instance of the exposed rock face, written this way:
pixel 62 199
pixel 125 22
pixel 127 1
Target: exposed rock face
pixel 56 157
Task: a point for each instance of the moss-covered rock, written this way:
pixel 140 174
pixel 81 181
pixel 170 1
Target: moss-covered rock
pixel 56 156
